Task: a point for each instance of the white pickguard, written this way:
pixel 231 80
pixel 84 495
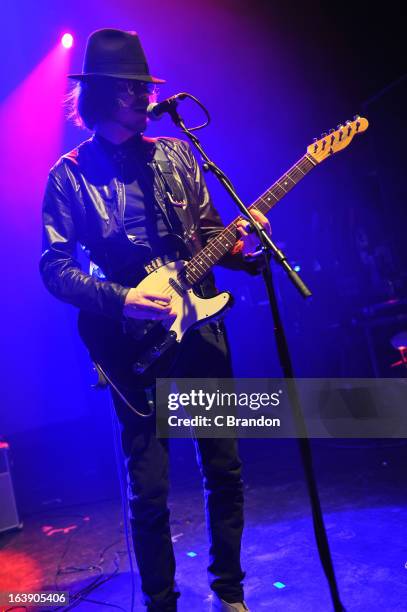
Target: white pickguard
pixel 191 309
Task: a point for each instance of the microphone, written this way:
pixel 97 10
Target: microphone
pixel 156 110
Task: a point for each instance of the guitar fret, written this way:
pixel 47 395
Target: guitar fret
pixel 213 245
pixel 199 262
pixel 314 163
pixel 281 186
pixel 218 248
pixel 213 254
pixel 216 244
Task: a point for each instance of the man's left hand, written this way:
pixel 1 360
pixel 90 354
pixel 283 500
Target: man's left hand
pixel 250 239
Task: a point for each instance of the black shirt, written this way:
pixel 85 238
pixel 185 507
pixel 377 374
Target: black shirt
pixel 144 221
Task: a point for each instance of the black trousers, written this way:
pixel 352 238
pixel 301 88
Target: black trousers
pixel 205 354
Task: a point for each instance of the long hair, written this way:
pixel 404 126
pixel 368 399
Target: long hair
pixel 94 100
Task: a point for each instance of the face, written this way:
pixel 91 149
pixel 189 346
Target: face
pixel 132 99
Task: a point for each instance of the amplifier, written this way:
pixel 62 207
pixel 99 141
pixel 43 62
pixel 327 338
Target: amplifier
pixel 8 508
pixel 383 325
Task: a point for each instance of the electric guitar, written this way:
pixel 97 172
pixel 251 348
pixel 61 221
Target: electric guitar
pixel 132 354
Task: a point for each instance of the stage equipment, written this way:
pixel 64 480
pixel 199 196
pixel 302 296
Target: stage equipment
pixel 8 508
pixel 156 110
pixel 385 330
pixel 399 342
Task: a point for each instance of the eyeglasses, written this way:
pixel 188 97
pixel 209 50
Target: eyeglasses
pixel 137 89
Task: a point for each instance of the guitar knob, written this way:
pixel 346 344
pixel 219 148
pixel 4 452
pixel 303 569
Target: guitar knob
pixel 155 351
pixel 138 367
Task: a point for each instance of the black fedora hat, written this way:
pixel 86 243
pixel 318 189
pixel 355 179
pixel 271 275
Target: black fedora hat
pixel 117 54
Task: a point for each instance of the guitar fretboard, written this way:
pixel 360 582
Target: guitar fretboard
pixel 217 247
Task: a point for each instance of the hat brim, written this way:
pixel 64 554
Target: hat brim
pixel 135 77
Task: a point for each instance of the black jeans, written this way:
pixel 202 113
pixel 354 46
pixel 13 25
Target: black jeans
pixel 205 354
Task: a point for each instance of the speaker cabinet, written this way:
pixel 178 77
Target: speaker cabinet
pixel 8 508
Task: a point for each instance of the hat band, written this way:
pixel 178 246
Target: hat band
pixel 119 68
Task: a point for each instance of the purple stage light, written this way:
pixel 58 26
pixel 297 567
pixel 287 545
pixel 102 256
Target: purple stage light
pixel 67 41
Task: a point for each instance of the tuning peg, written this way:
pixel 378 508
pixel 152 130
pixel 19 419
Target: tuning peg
pixel 356 117
pixel 331 130
pixel 324 135
pixel 339 126
pixel 315 140
pixel 347 122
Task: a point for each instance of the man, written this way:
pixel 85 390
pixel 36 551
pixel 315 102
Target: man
pixel 117 195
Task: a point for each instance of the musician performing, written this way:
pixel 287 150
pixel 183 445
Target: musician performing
pixel 140 209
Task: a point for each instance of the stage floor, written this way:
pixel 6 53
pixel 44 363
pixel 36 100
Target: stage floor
pixel 363 495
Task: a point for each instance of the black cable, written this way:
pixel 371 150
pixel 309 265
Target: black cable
pixel 95 583
pixel 119 458
pixel 79 596
pixel 71 569
pixel 58 571
pixel 98 581
pixel 184 95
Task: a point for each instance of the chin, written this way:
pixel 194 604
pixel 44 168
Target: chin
pixel 133 121
pixel 137 126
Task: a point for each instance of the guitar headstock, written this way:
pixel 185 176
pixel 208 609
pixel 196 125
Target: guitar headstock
pixel 337 139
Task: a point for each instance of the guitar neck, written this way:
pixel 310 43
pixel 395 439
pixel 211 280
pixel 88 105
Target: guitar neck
pixel 217 247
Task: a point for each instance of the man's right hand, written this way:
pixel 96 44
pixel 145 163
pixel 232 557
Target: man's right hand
pixel 146 305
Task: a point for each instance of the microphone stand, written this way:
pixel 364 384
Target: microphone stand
pixel 271 250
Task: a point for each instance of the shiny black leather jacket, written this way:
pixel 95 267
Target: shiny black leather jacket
pixel 84 204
